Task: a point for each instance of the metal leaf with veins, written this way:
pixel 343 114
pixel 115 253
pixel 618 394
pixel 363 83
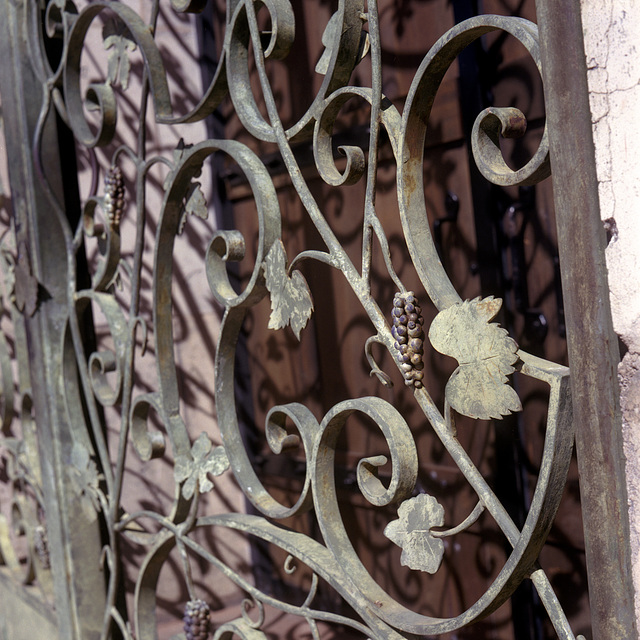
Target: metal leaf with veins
pixel 486 354
pixel 290 296
pixel 412 532
pixel 204 461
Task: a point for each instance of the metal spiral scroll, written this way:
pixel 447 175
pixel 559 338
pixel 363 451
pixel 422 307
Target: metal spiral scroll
pixel 467 325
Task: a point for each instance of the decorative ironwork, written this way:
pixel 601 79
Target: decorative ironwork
pixel 486 355
pixel 24 544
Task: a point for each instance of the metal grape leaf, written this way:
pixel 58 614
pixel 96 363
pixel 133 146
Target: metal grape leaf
pixel 196 205
pixel 194 470
pixel 118 41
pixel 485 353
pixel 412 533
pixel 290 296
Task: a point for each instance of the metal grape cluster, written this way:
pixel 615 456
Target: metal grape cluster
pixel 409 337
pixel 197 620
pixel 114 196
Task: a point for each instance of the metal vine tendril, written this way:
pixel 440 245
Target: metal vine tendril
pixel 274 275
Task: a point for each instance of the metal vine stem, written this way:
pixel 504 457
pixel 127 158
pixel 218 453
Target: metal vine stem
pixel 462 329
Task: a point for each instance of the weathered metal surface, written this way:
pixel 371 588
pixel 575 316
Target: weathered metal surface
pixel 23 612
pixel 591 340
pixel 89 477
pixel 485 353
pixel 42 263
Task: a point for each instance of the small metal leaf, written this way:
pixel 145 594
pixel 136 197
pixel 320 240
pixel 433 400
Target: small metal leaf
pixel 196 205
pixel 118 41
pixel 290 296
pixel 486 354
pixel 194 470
pixel 420 549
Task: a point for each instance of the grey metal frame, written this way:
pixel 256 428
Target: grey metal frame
pixel 592 343
pixel 77 481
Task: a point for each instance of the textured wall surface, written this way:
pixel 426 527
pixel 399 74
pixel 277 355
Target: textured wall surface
pixel 612 39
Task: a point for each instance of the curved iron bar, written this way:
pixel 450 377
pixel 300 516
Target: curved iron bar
pixel 337 562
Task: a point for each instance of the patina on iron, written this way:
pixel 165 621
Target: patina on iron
pixel 485 353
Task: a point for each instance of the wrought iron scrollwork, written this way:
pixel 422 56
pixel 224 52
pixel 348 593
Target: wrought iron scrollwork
pixel 24 538
pixel 486 355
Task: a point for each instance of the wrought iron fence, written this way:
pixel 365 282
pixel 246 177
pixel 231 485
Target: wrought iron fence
pixel 84 491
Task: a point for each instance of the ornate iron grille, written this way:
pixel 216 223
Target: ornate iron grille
pixel 51 304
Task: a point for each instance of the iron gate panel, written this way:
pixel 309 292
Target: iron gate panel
pixel 69 473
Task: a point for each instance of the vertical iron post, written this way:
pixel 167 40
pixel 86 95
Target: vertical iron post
pixel 43 253
pixel 592 343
